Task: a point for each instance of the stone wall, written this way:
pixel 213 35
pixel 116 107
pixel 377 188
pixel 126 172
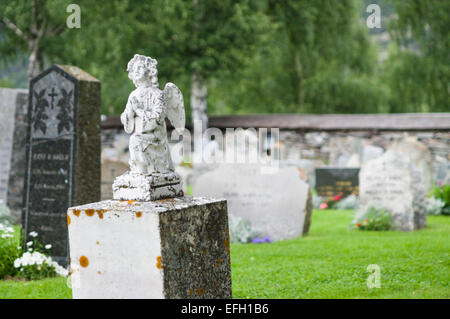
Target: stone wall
pixel 311 141
pixel 324 146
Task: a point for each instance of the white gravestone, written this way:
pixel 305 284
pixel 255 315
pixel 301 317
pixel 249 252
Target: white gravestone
pixel 276 204
pixel 392 182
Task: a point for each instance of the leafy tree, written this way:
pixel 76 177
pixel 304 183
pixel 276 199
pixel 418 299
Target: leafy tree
pixel 199 38
pixel 38 29
pixel 418 67
pixel 316 58
pixel 28 25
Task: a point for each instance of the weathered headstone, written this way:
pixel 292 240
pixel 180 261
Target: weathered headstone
pixel 276 205
pixel 150 241
pixel 337 181
pixel 419 155
pixel 63 153
pixel 170 248
pixel 392 182
pixel 8 103
pixel 18 158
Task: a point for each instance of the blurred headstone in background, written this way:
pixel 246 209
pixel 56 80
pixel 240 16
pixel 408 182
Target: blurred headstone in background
pixel 393 183
pixel 337 181
pixel 275 205
pixel 18 159
pixel 111 170
pixel 10 102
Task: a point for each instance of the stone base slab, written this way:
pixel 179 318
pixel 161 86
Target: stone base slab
pixel 132 186
pixel 172 248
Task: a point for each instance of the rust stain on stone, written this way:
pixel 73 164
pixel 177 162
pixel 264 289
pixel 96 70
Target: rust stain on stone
pixel 97 242
pixel 191 292
pixel 131 201
pixel 166 200
pixel 204 251
pixel 100 213
pixel 84 261
pixel 76 212
pixel 68 220
pixel 99 272
pixel 302 173
pixel 227 243
pixel 220 260
pixel 139 214
pixel 89 212
pixel 158 262
pixel 200 291
pixel 182 250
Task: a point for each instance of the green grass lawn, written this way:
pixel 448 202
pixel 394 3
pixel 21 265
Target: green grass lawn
pixel 330 262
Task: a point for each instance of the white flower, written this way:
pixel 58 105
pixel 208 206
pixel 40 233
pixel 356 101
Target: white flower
pixel 38 259
pixel 33 234
pixel 29 243
pixel 48 246
pixel 7 236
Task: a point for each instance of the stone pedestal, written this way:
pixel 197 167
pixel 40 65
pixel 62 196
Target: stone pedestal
pixel 144 188
pixel 171 248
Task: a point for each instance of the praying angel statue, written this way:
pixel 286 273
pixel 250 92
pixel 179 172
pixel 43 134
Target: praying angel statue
pixel 151 175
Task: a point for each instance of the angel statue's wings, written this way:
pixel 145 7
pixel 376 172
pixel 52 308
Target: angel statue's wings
pixel 175 106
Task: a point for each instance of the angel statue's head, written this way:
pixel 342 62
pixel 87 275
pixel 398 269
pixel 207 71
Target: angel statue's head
pixel 142 71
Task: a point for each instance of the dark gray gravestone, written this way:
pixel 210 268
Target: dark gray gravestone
pixel 337 181
pixel 18 159
pixel 63 153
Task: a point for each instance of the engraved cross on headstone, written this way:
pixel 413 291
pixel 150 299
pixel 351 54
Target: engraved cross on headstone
pixel 52 95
